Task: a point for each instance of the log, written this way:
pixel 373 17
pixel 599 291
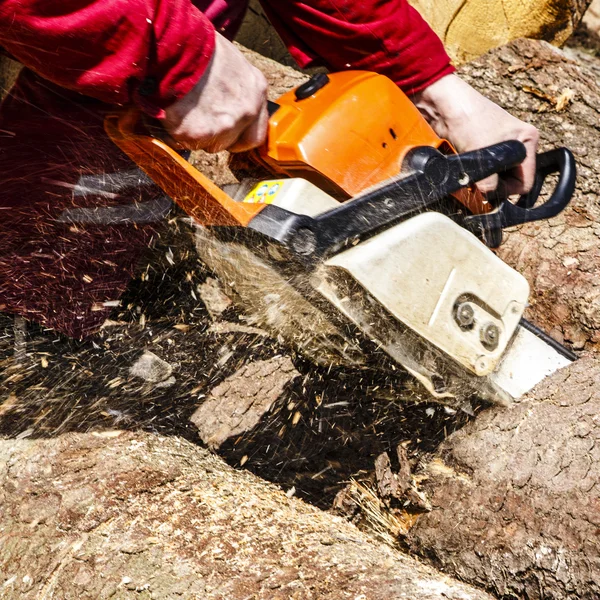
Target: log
pixel 469 28
pixel 118 514
pixel 516 494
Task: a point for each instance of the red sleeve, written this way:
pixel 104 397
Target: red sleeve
pixel 148 52
pixel 385 36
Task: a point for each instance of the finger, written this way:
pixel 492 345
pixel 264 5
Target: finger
pixel 521 179
pixel 228 136
pixel 255 135
pixel 488 185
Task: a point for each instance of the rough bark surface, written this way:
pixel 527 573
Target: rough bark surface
pixel 132 515
pixel 238 404
pixel 516 494
pixel 470 28
pixel 559 257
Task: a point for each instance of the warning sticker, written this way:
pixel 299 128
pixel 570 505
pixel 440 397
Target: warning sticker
pixel 264 192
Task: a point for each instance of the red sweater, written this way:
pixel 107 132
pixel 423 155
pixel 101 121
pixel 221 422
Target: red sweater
pixel 152 52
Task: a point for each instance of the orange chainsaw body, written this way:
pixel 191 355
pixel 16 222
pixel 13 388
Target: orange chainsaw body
pixel 351 133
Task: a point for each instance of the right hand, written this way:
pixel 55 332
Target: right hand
pixel 226 109
pixel 470 121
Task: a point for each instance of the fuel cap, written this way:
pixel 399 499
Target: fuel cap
pixel 312 86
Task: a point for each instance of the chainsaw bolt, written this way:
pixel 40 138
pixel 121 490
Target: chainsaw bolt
pixel 464 315
pixel 304 242
pixel 489 334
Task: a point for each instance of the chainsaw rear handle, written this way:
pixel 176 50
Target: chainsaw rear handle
pixel 489 226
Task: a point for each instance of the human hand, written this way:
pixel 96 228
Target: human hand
pixel 470 121
pixel 226 109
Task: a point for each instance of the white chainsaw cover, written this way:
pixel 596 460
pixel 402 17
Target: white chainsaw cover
pixel 421 269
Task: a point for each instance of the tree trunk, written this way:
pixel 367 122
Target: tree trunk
pixel 134 515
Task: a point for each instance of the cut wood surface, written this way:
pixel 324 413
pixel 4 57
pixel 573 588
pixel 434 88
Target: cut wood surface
pixel 134 515
pixel 470 28
pixel 591 18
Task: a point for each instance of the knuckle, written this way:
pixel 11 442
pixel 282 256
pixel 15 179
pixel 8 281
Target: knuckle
pixel 531 133
pixel 226 122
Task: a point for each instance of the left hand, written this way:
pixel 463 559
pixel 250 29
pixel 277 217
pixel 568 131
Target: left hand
pixel 470 121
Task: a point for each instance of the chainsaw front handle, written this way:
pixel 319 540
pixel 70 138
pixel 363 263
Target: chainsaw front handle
pixel 433 177
pixel 561 161
pixel 197 195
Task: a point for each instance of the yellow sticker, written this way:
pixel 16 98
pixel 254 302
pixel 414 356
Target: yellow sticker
pixel 264 192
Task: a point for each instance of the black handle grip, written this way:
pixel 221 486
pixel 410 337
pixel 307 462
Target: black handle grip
pixel 560 161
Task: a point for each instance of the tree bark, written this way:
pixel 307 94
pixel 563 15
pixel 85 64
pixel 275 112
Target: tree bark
pixel 134 515
pixel 516 494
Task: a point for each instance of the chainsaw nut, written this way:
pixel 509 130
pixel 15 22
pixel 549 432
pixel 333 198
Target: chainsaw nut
pixel 464 315
pixel 489 334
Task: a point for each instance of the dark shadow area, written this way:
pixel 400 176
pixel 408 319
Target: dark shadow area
pixel 326 428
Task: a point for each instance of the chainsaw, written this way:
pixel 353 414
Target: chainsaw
pixel 360 238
